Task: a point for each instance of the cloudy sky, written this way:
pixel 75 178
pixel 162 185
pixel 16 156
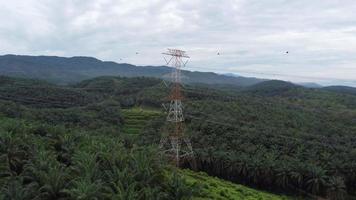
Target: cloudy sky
pixel 252 36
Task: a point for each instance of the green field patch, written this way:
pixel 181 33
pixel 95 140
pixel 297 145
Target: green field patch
pixel 136 118
pixel 217 189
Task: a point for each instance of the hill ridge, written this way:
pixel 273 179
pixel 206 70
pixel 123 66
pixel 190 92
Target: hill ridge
pixel 64 70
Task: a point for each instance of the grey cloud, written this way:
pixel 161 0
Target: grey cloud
pixel 249 34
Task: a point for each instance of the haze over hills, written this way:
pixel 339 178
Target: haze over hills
pixel 64 70
pixel 70 70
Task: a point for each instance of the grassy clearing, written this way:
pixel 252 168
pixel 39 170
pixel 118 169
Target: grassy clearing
pixel 217 189
pixel 136 118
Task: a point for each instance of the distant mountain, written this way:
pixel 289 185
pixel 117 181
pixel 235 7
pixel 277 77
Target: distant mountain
pixel 271 88
pixel 64 70
pixel 341 89
pixel 304 84
pixel 231 74
pixel 310 85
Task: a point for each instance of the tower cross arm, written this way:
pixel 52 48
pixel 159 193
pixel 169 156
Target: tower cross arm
pixel 176 52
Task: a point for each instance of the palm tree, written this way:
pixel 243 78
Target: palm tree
pixel 146 168
pixel 179 189
pixel 13 152
pixel 336 188
pixel 5 172
pixel 255 171
pixel 242 166
pixel 282 176
pixel 51 177
pixel 316 179
pixel 84 189
pixel 152 194
pixel 85 165
pixel 268 170
pixel 16 190
pixel 54 182
pixel 116 175
pixel 296 177
pixel 64 145
pixel 124 191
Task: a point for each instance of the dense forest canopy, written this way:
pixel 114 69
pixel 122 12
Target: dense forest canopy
pixel 274 135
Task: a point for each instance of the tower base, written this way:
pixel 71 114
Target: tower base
pixel 179 150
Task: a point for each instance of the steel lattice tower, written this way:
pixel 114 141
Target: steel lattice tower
pixel 173 143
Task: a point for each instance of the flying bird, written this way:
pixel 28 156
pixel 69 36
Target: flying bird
pixel 287 52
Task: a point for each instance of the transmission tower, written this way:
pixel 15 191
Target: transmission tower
pixel 174 143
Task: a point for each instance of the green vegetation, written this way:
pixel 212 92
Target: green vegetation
pixel 273 136
pixel 51 162
pixel 81 151
pixel 214 188
pixel 276 136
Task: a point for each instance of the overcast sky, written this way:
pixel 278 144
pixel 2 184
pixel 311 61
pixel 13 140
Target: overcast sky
pixel 252 36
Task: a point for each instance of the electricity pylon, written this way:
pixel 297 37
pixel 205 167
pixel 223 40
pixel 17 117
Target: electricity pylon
pixel 174 143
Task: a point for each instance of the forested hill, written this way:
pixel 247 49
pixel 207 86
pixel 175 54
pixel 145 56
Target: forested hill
pixel 270 88
pixel 274 136
pixel 96 140
pixel 71 70
pixel 341 89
